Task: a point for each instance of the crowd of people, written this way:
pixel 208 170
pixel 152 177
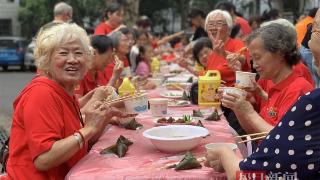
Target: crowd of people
pixel 60 114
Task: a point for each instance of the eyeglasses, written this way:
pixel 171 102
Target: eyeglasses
pixel 218 24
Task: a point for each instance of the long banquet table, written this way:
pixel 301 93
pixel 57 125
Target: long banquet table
pixel 143 160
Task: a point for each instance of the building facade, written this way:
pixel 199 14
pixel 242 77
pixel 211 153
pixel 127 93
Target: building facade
pixel 9 24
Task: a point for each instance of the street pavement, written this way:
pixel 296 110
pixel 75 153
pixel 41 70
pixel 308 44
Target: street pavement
pixel 11 83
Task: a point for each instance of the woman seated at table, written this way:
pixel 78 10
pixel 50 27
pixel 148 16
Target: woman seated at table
pixel 273 52
pixel 201 50
pixel 121 64
pixel 48 135
pixel 102 56
pixel 292 146
pixel 218 25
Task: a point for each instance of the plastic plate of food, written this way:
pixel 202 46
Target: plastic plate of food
pixel 175 120
pixel 172 94
pixel 178 103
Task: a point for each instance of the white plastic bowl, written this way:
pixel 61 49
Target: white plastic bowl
pixel 211 146
pixel 175 138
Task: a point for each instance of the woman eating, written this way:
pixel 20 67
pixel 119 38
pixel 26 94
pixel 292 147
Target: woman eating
pixel 48 134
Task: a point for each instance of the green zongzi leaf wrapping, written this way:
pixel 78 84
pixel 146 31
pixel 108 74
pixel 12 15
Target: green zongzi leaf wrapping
pixel 197 113
pixel 120 148
pixel 188 162
pixel 215 116
pixel 132 124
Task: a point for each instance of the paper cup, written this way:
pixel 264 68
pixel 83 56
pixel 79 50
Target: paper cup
pixel 234 90
pixel 244 79
pixel 136 104
pixel 212 146
pixel 158 106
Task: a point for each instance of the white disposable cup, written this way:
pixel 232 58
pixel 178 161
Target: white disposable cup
pixel 244 79
pixel 234 90
pixel 212 146
pixel 158 106
pixel 136 104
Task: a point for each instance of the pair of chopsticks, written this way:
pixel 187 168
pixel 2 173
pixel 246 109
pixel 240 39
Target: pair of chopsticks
pixel 120 99
pixel 261 135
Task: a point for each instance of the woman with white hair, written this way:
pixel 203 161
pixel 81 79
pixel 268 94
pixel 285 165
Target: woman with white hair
pixel 218 26
pixel 291 149
pixel 48 135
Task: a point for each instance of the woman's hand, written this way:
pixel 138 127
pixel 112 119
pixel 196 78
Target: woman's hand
pixel 97 115
pixel 118 68
pixel 257 90
pixel 237 103
pixel 234 62
pixel 217 44
pixel 214 158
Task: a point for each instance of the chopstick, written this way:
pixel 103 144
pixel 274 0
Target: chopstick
pixel 255 134
pixel 253 139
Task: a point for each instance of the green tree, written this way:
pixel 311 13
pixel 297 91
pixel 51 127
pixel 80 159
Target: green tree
pixel 35 13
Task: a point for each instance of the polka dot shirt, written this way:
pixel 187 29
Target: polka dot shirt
pixel 293 145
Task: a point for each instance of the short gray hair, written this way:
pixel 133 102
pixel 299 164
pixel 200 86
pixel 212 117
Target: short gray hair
pixel 225 14
pixel 290 27
pixel 115 37
pixel 62 8
pixel 276 39
pixel 51 38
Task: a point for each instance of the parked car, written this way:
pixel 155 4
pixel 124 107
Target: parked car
pixel 12 50
pixel 28 57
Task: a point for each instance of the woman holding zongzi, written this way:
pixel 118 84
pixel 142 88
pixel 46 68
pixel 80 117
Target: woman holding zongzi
pixel 48 135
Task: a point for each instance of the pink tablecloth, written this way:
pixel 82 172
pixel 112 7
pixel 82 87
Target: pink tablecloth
pixel 143 160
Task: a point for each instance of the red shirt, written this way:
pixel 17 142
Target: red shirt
pixel 107 74
pixel 43 114
pixel 216 62
pixel 282 96
pixel 103 29
pixel 245 27
pixel 89 83
pixel 304 71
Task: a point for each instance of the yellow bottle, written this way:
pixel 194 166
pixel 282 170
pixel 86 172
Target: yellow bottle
pixel 207 88
pixel 155 65
pixel 126 88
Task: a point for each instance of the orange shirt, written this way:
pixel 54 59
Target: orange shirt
pixel 103 29
pixel 301 28
pixel 281 96
pixel 216 62
pixel 43 114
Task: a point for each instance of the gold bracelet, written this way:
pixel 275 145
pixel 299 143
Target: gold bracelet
pixel 78 137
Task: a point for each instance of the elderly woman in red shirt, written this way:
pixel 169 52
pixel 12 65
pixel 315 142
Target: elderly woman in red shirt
pixel 225 49
pixel 274 53
pixel 48 135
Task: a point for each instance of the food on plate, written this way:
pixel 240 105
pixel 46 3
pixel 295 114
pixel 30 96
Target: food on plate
pixel 186 119
pixel 120 148
pixel 197 113
pixel 188 162
pixel 215 116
